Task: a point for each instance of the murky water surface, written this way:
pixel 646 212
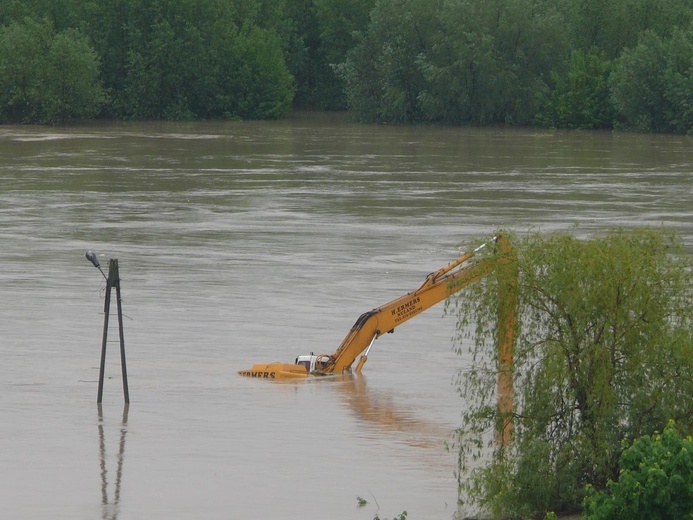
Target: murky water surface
pixel 249 242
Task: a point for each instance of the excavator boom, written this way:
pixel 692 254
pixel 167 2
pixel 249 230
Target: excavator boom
pixel 372 324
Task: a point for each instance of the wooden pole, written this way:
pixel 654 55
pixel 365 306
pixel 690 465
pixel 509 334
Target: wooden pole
pixel 126 392
pixel 113 280
pixel 106 311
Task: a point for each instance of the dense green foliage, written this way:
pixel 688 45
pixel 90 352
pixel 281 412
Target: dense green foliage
pixel 47 76
pixel 161 59
pixel 581 98
pixel 190 59
pixel 526 62
pixel 604 355
pixel 655 481
pixel 453 62
pixel 653 84
pixel 560 63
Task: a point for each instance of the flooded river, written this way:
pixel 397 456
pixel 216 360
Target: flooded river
pixel 255 242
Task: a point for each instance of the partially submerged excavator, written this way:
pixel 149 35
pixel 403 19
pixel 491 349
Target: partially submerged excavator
pixel 438 285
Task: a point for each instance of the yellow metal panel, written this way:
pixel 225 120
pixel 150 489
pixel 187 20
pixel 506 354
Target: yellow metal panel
pixel 275 371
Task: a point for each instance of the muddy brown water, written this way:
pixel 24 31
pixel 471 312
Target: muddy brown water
pixel 253 241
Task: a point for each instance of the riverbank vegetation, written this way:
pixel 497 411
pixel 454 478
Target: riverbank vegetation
pixel 655 481
pixel 603 361
pixel 566 63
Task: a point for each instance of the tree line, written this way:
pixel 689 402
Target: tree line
pixel 555 63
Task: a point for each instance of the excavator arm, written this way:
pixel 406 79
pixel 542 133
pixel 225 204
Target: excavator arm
pixel 371 325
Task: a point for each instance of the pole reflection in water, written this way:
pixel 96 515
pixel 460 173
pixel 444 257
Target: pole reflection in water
pixel 110 509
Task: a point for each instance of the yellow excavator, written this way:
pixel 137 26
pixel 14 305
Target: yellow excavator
pixel 438 285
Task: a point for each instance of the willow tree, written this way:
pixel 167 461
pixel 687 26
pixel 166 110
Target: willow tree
pixel 603 356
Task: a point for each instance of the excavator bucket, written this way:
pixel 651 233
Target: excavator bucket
pixel 275 371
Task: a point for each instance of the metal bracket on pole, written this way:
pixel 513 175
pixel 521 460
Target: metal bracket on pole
pixel 112 281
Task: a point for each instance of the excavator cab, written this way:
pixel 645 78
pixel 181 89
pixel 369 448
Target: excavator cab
pixel 312 363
